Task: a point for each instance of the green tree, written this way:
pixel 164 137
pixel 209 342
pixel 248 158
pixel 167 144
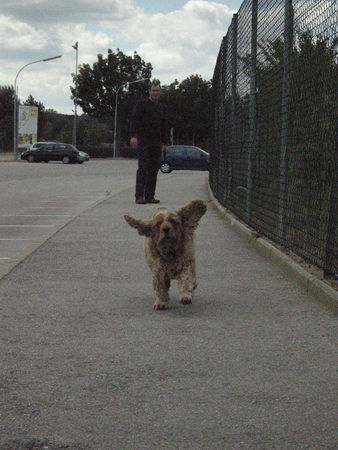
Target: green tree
pixel 6 117
pixel 312 149
pixel 93 131
pixel 57 127
pixel 188 107
pixel 97 85
pixel 195 104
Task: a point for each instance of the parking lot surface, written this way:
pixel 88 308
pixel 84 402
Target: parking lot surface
pixel 87 363
pixel 37 200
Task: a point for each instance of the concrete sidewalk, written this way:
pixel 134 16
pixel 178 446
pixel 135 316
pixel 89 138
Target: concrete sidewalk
pixel 87 363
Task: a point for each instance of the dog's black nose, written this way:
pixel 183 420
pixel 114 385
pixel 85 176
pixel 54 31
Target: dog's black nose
pixel 166 230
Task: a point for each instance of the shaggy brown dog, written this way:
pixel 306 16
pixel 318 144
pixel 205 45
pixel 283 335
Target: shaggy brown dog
pixel 169 247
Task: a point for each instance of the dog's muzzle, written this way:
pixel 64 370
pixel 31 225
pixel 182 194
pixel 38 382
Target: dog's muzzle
pixel 167 247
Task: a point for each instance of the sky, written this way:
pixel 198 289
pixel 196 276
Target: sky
pixel 178 37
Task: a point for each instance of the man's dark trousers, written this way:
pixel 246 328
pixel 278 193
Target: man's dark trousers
pixel 149 159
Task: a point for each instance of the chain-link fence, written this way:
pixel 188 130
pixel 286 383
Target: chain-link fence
pixel 273 154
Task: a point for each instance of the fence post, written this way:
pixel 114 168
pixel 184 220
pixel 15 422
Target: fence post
pixel 283 167
pixel 222 154
pixel 233 105
pixel 330 261
pixel 252 105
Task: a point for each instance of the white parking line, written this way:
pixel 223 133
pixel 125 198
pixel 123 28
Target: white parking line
pixel 27 226
pixel 35 215
pixel 79 199
pixel 18 239
pixel 68 201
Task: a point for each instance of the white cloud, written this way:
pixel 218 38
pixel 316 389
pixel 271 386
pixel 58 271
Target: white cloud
pixel 90 42
pixel 182 42
pixel 16 35
pixel 68 11
pixel 178 44
pixel 209 12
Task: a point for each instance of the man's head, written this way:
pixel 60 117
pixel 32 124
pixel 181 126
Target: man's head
pixel 155 92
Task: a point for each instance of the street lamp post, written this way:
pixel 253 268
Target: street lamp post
pixel 116 100
pixel 75 47
pixel 15 139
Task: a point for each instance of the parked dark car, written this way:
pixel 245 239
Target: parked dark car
pixel 184 157
pixel 40 144
pixel 66 153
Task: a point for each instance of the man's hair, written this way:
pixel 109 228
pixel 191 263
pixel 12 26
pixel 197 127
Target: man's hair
pixel 155 82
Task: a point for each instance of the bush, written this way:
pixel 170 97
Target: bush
pixel 127 152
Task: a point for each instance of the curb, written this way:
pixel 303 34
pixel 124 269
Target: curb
pixel 322 292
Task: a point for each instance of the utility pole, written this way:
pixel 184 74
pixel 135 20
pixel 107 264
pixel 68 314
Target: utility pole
pixel 75 47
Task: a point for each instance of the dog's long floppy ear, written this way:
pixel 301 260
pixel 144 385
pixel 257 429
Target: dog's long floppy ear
pixel 143 227
pixel 191 213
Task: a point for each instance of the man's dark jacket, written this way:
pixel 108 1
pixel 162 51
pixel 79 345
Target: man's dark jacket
pixel 148 124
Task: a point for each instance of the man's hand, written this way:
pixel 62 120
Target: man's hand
pixel 165 148
pixel 133 142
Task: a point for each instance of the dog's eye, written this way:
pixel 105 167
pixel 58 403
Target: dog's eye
pixel 173 222
pixel 158 223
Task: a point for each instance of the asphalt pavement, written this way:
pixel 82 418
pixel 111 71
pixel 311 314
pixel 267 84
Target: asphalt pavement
pixel 87 363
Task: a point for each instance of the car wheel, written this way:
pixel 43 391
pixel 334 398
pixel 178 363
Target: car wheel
pixel 30 158
pixel 66 160
pixel 165 167
pixel 80 162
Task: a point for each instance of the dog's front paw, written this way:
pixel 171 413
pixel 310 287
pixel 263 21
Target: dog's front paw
pixel 157 306
pixel 186 300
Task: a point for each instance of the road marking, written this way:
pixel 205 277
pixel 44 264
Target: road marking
pixel 76 202
pixel 18 239
pixel 27 226
pixel 35 215
pixel 51 207
pixel 5 258
pixel 79 198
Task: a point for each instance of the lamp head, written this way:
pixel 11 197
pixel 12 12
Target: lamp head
pixel 53 57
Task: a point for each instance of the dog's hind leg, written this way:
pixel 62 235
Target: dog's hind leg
pixel 161 284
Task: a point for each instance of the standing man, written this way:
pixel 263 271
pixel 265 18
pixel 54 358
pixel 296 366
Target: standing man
pixel 148 136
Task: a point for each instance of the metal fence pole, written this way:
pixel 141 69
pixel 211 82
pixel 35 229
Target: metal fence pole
pixel 330 261
pixel 252 105
pixel 222 144
pixel 233 106
pixel 76 48
pixel 283 168
pixel 15 127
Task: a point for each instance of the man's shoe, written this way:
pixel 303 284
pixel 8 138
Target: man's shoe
pixel 152 200
pixel 140 201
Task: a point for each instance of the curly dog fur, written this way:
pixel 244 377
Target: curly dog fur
pixel 169 248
